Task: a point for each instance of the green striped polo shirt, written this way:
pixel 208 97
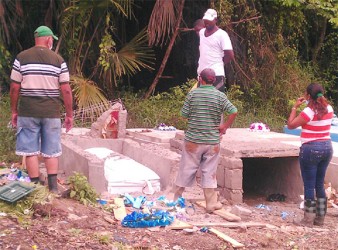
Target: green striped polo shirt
pixel 203 107
pixel 39 71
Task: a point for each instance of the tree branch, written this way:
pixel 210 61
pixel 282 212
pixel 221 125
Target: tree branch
pixel 245 20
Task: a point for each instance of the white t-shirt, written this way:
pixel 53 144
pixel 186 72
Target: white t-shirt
pixel 212 51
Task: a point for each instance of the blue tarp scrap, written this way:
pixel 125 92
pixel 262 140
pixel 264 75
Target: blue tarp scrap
pixel 141 220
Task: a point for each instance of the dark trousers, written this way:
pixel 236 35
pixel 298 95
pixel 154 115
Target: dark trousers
pixel 314 158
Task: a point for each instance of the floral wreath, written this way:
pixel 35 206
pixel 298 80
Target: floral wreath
pixel 164 127
pixel 259 127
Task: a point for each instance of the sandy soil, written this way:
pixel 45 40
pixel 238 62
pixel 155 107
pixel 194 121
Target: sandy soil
pixel 66 224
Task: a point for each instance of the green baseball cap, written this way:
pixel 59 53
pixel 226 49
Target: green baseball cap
pixel 44 31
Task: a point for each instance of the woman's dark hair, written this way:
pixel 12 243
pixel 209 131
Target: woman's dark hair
pixel 318 102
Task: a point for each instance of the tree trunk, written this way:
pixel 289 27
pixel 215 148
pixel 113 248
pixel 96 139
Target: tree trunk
pixel 168 51
pixel 322 26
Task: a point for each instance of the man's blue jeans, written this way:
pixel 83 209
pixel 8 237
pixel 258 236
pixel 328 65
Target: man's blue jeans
pixel 314 158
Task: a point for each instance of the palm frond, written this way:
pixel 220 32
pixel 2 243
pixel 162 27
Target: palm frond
pixel 87 97
pixel 131 58
pixel 124 7
pixel 135 55
pixel 10 13
pixel 162 21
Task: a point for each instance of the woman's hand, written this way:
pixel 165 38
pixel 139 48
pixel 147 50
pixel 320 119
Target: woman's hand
pixel 299 102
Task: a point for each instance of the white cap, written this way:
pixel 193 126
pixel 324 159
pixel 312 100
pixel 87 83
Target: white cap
pixel 210 15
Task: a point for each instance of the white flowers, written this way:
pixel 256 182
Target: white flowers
pixel 163 127
pixel 259 127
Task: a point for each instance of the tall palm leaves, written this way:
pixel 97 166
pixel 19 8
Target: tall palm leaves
pixel 130 59
pixel 90 32
pixel 10 13
pixel 162 21
pixel 165 18
pixel 90 102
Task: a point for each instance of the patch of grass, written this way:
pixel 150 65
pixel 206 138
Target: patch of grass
pixel 104 239
pixel 75 231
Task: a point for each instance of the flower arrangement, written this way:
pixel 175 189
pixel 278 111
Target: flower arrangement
pixel 164 127
pixel 259 127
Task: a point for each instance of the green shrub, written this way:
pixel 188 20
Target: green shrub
pixel 7 134
pixel 81 190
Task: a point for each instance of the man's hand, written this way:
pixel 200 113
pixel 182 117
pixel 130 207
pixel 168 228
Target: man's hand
pixel 222 129
pixel 228 56
pixel 14 120
pixel 227 124
pixel 68 123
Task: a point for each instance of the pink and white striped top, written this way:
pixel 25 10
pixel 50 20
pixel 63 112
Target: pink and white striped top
pixel 314 129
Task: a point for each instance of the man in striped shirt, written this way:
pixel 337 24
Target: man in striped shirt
pixel 203 107
pixel 37 78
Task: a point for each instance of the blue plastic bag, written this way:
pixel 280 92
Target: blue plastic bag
pixel 180 201
pixel 135 202
pixel 140 219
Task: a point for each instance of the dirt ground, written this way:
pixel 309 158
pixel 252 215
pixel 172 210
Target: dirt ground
pixel 67 224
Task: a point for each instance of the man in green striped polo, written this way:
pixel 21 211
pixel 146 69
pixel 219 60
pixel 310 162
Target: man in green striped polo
pixel 203 107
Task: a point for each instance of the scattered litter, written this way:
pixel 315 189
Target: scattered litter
pixel 262 206
pixel 142 220
pixel 190 230
pixel 14 191
pixel 134 202
pixel 204 230
pixel 102 201
pixel 284 215
pixel 331 195
pixel 190 210
pixel 177 247
pixel 180 201
pixel 276 197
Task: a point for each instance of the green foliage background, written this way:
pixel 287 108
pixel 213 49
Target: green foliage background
pixel 7 134
pixel 280 47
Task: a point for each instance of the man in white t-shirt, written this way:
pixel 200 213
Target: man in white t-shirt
pixel 215 48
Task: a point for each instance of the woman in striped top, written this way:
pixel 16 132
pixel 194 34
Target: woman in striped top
pixel 316 150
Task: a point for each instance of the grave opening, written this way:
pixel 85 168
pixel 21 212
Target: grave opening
pixel 266 176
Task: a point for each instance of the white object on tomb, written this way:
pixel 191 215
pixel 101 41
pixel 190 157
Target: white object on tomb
pixel 124 175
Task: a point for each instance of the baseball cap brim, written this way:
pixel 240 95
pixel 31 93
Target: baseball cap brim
pixel 208 17
pixel 44 31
